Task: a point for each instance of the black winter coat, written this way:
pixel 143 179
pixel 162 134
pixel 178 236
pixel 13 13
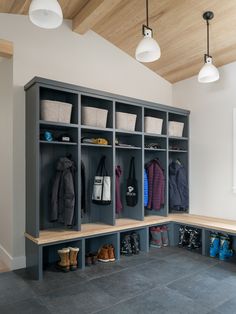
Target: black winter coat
pixel 178 187
pixel 63 193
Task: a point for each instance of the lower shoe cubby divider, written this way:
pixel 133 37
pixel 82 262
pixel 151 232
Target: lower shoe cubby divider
pixel 93 244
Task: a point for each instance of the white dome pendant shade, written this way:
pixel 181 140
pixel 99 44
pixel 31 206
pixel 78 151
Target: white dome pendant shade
pixel 148 49
pixel 208 73
pixel 46 13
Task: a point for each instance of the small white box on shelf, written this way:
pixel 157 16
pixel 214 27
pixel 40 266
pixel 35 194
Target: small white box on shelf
pixel 176 128
pixel 125 121
pixel 96 117
pixel 153 125
pixel 55 111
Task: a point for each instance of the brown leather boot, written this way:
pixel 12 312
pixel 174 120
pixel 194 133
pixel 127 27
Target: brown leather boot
pixel 111 253
pixel 103 255
pixel 64 263
pixel 74 251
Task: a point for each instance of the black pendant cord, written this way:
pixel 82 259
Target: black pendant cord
pixel 208 40
pixel 147 13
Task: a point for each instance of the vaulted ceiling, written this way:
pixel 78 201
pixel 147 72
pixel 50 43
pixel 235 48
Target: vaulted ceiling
pixel 177 24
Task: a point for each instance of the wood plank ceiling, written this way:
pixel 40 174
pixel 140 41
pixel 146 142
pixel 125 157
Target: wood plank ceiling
pixel 178 27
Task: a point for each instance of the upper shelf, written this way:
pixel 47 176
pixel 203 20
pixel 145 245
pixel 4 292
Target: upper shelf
pixel 57 124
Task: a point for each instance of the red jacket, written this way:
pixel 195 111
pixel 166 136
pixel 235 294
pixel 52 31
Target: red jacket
pixel 156 185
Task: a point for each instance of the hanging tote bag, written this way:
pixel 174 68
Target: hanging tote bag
pixel 132 186
pixel 102 185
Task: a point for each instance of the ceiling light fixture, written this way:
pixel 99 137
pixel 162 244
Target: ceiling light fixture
pixel 208 73
pixel 148 49
pixel 45 13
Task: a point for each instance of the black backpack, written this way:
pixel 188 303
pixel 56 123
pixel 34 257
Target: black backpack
pixel 132 186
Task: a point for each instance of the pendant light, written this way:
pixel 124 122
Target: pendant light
pixel 208 73
pixel 46 13
pixel 148 49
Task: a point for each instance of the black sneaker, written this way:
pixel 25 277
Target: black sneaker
pixel 126 248
pixel 135 243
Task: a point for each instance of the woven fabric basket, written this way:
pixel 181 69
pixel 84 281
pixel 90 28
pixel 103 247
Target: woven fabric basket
pixel 153 125
pixel 96 117
pixel 176 128
pixel 125 121
pixel 56 111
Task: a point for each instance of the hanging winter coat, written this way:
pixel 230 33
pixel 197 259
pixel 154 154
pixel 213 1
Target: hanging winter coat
pixel 178 187
pixel 118 196
pixel 63 193
pixel 156 185
pixel 145 188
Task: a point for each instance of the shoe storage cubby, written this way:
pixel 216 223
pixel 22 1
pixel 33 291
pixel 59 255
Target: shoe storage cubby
pixel 51 257
pixel 94 244
pixel 207 243
pixel 142 235
pixel 184 240
pixel 160 236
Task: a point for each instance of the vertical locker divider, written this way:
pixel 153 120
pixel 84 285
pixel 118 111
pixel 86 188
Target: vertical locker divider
pixel 143 165
pixel 167 164
pixel 79 165
pixel 114 160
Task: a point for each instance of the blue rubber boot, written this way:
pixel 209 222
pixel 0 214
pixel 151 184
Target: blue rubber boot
pixel 214 244
pixel 225 248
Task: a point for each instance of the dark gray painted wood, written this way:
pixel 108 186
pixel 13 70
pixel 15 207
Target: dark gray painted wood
pixel 34 260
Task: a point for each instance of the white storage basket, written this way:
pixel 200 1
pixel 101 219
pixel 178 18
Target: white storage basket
pixel 96 117
pixel 176 128
pixel 125 121
pixel 153 125
pixel 56 111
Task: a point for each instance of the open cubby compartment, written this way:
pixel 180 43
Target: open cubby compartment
pixel 143 237
pixel 93 244
pixel 131 139
pixel 180 118
pixel 123 158
pixel 183 159
pixel 88 133
pixel 206 243
pixel 100 103
pixel 175 237
pixel 157 114
pixel 132 109
pixel 94 213
pixel 61 95
pixel 169 230
pixel 155 139
pixel 149 155
pixel 178 145
pixel 51 257
pixel 58 131
pixel 49 156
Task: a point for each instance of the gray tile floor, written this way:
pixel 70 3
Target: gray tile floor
pixel 169 280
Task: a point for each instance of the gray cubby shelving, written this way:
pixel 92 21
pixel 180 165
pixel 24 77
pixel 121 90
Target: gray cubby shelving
pixel 41 156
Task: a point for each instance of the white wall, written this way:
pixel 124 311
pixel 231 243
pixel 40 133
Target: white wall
pixel 62 55
pixel 6 161
pixel 211 160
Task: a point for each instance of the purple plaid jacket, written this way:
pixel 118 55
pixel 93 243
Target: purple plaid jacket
pixel 156 185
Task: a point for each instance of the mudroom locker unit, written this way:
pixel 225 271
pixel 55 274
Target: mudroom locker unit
pixel 121 146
